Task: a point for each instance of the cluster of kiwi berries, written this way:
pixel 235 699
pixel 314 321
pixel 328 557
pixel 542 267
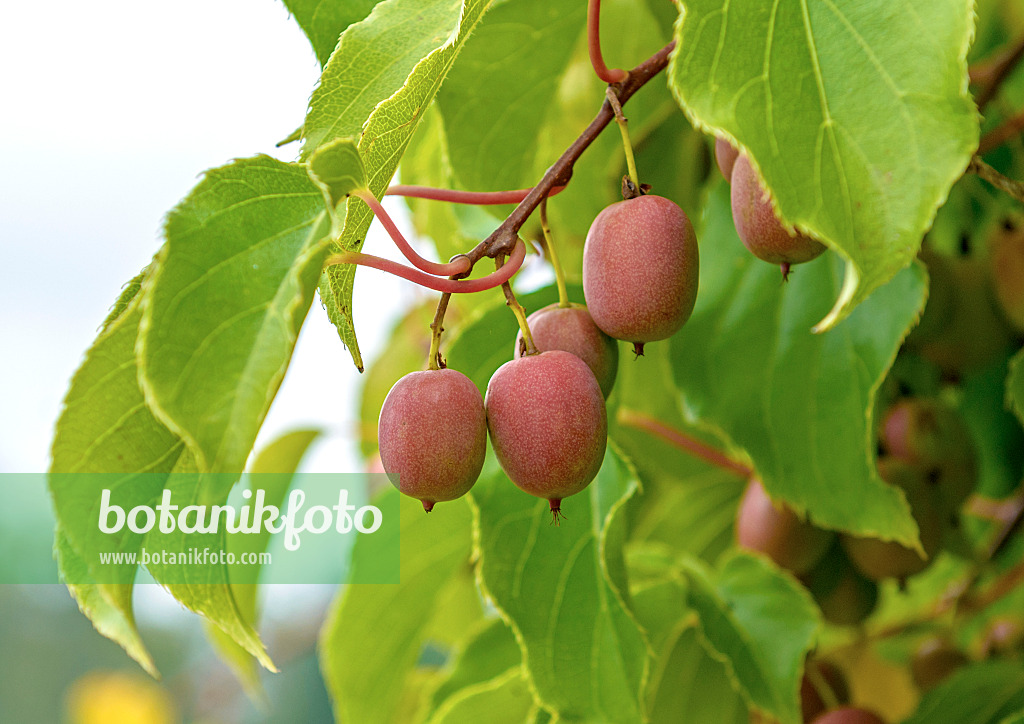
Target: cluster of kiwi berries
pixel 545 408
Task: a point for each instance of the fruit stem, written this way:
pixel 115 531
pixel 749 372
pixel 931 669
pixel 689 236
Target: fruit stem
pixel 563 295
pixel 517 309
pixel 478 198
pixel 620 119
pixel 682 441
pixel 434 361
pixel 459 265
pixel 439 284
pixel 821 685
pixel 594 45
pixel 1008 185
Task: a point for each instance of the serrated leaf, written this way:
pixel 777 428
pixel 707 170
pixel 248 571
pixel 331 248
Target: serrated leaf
pixel 1015 386
pixel 275 465
pixel 500 92
pixel 112 618
pixel 398 57
pixel 762 623
pixel 505 699
pixel 563 589
pixel 983 693
pixel 225 302
pixel 323 21
pixel 105 427
pixel 374 634
pixel 799 404
pixel 856 114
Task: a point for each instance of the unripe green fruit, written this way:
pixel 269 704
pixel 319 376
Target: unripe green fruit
pixel 878 560
pixel 758 225
pixel 849 715
pixel 572 329
pixel 933 661
pixel 811 703
pixel 548 424
pixel 640 269
pixel 844 596
pixel 1007 265
pixel 725 156
pixel 777 532
pixel 433 435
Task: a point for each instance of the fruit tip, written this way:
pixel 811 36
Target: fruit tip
pixel 428 505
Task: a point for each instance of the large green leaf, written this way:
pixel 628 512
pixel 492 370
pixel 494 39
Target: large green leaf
pixel 225 302
pixel 105 427
pixel 489 652
pixel 501 91
pixel 799 404
pixel 985 693
pixel 375 633
pixel 762 624
pixel 855 112
pixel 397 58
pixel 563 590
pixel 323 21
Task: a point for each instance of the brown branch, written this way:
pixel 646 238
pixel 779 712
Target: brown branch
pixel 1007 185
pixel 991 73
pixel 682 441
pixel 503 239
pixel 1002 133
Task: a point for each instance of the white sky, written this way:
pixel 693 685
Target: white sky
pixel 108 114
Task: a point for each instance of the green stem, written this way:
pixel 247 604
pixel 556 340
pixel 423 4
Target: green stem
pixel 821 685
pixel 627 146
pixel 434 361
pixel 517 309
pixel 563 295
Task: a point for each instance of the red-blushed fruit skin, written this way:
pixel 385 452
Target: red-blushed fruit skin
pixel 758 225
pixel 777 532
pixel 548 423
pixel 640 269
pixel 433 435
pixel 849 715
pixel 725 156
pixel 572 329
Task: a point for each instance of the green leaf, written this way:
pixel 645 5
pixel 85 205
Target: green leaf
pixel 397 58
pixel 108 608
pixel 996 432
pixel 490 651
pixel 225 301
pixel 374 635
pixel 505 699
pixel 275 465
pixel 500 92
pixel 563 590
pixel 1015 385
pixel 762 624
pixel 337 169
pixel 205 589
pixel 105 427
pixel 984 693
pixel 323 21
pixel 856 114
pixel 799 404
